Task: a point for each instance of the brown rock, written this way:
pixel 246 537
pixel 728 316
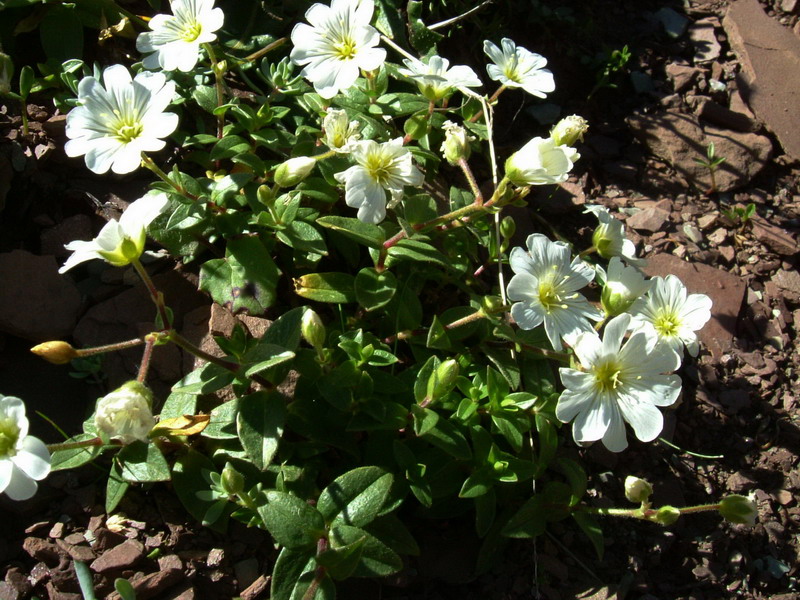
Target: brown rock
pixel 155 584
pixel 725 290
pixel 767 52
pixel 77 552
pixel 717 114
pixel 41 550
pixel 255 589
pixel 778 240
pixel 680 140
pixel 682 76
pixel 650 219
pixel 704 39
pixel 36 303
pixel 76 227
pixel 788 281
pixel 124 556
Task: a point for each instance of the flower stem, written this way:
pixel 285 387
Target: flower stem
pixel 81 352
pixel 74 445
pixel 156 296
pixel 473 185
pixel 266 49
pixel 706 456
pixel 150 341
pixel 219 84
pixel 562 356
pixel 494 97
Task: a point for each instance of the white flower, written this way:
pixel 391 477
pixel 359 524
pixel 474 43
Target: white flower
pixel 340 131
pixel 514 66
pixel 338 43
pixel 24 459
pixel 618 382
pixel 175 39
pixel 668 314
pixel 119 242
pixel 545 284
pixel 622 287
pixel 540 162
pixel 125 414
pixel 114 124
pixel 381 168
pixel 609 237
pixel 435 80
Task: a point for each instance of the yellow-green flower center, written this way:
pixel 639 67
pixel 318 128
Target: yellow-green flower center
pixel 379 168
pixel 666 323
pixel 606 375
pixel 9 434
pixel 549 294
pixel 127 132
pixel 345 49
pixel 191 31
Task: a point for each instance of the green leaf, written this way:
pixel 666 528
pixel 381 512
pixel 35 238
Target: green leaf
pixel 116 487
pixel 141 462
pixel 245 279
pixel 341 562
pixel 206 97
pixel 71 459
pixel 485 510
pixel 222 425
pixel 391 531
pixel 356 497
pixel 377 559
pixel 304 237
pixel 363 233
pixel 422 38
pixel 178 404
pixel 421 381
pixel 291 521
pixel 26 79
pixel 479 483
pixel 418 251
pixel 229 146
pixel 61 33
pixel 374 289
pixel 325 589
pixel 529 521
pixel 576 477
pixel 592 530
pixel 264 356
pixel 446 436
pixel 437 336
pixel 548 443
pixel 206 380
pixel 337 288
pixel 124 589
pixel 188 480
pixel 289 567
pixel 507 365
pixel 260 425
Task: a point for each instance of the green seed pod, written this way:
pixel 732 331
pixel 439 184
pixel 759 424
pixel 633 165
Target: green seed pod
pixel 667 515
pixel 739 509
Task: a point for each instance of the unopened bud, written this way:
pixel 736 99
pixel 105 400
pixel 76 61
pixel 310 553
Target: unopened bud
pixel 666 515
pixel 126 413
pixel 739 509
pixel 312 329
pixel 492 304
pixel 416 126
pixel 232 481
pixel 265 195
pixel 508 227
pixel 456 143
pixel 637 490
pixel 569 130
pixel 294 170
pixel 443 379
pixel 58 353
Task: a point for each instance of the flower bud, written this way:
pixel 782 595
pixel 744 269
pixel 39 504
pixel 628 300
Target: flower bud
pixel 666 515
pixel 569 130
pixel 232 481
pixel 340 131
pixel 492 304
pixel 622 287
pixel 739 509
pixel 456 143
pixel 126 414
pixel 508 227
pixel 637 490
pixel 540 162
pixel 443 379
pixel 294 170
pixel 312 329
pixel 58 353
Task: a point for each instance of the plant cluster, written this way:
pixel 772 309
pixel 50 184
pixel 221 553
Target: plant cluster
pixel 417 356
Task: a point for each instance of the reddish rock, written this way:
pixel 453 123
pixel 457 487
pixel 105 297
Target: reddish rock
pixel 124 556
pixel 767 51
pixel 650 219
pixel 155 584
pixel 725 290
pixel 36 303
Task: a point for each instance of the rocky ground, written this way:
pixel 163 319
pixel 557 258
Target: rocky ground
pixel 709 71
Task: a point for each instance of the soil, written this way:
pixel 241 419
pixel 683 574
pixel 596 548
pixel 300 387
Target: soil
pixel 738 415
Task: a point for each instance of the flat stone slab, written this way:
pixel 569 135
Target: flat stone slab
pixel 725 290
pixel 769 55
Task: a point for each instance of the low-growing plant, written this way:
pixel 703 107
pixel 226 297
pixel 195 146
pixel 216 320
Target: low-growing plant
pixel 415 355
pixel 712 163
